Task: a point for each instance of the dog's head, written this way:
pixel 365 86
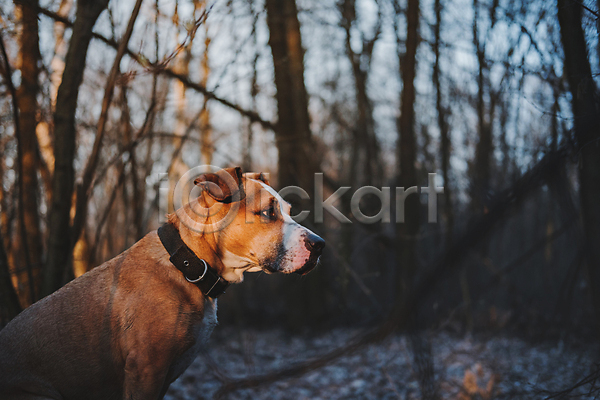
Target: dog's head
pixel 249 225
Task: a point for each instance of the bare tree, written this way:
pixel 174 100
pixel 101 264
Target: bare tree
pixel 586 110
pixel 29 220
pixel 407 149
pixel 249 134
pixel 9 301
pixel 442 122
pixel 365 166
pixel 481 167
pixel 206 139
pixel 296 161
pixel 293 135
pixel 60 240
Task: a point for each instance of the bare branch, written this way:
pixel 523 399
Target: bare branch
pixel 162 69
pixel 83 189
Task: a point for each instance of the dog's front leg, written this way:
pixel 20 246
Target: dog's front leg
pixel 144 377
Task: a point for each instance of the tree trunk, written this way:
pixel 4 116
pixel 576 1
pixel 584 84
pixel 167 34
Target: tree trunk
pixel 59 235
pixel 481 168
pixel 29 220
pixel 9 302
pixel 442 124
pixel 293 136
pixel 206 140
pixel 586 111
pixel 247 164
pixel 5 219
pixel 296 165
pixel 407 152
pixel 57 64
pixel 178 167
pixel 365 167
pixel 6 216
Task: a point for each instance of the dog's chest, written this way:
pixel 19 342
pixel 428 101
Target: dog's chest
pixel 201 334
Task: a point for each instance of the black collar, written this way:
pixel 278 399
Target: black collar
pixel 194 269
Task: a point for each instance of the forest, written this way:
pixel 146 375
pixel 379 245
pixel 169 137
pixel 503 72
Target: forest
pixel 449 152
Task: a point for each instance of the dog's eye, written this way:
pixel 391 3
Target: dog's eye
pixel 269 213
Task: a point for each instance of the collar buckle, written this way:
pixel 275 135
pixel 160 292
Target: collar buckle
pixel 182 257
pixel 201 276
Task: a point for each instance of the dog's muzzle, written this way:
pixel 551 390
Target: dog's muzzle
pixel 315 245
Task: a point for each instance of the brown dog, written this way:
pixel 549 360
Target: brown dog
pixel 128 328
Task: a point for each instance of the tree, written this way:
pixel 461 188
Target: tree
pixel 586 111
pixel 442 122
pixel 9 302
pixel 295 164
pixel 481 167
pixel 407 150
pixel 60 240
pixel 365 165
pixel 206 139
pixel 29 220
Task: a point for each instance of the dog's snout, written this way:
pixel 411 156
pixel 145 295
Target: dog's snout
pixel 314 243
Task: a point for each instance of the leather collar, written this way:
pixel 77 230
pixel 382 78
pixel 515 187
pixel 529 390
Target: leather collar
pixel 194 269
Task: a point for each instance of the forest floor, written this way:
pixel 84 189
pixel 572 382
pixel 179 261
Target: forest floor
pixel 466 367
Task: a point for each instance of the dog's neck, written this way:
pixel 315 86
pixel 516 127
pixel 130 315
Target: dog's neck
pixel 230 267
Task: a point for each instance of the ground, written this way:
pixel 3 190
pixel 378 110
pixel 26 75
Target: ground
pixel 466 367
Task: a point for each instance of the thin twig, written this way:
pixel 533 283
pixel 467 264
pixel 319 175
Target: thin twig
pixel 216 370
pixel 587 380
pixel 107 210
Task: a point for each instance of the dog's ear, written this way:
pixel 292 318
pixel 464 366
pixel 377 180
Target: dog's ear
pixel 225 185
pixel 259 176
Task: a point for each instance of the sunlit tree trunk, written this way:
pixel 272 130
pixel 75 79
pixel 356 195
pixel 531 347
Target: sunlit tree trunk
pixel 182 66
pixel 247 164
pixel 81 256
pixel 60 48
pixel 29 220
pixel 206 140
pixel 59 235
pixel 57 66
pixel 586 111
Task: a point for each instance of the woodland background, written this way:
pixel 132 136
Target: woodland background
pixel 104 105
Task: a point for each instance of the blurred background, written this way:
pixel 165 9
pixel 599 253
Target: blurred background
pixel 106 104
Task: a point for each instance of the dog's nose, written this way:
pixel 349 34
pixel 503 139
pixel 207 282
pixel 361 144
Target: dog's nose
pixel 314 243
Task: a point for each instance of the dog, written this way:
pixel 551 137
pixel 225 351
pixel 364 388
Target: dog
pixel 129 327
